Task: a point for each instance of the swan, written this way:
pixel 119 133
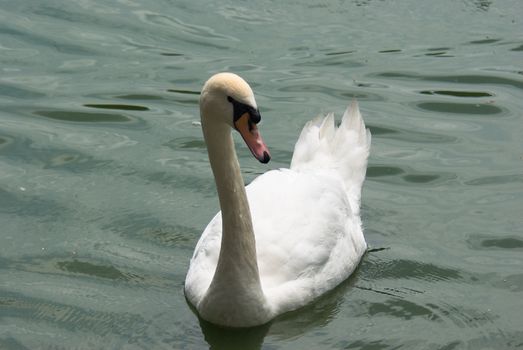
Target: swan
pixel 292 234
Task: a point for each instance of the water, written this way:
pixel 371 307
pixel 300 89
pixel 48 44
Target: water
pixel 105 185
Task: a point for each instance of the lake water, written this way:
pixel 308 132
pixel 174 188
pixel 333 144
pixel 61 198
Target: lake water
pixel 105 185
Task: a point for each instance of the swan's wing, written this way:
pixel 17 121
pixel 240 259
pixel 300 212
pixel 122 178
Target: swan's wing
pixel 344 149
pixel 308 239
pixel 204 261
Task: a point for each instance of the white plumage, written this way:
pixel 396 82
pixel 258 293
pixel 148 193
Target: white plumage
pixel 306 225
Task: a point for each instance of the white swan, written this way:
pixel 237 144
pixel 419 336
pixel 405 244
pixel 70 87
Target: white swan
pixel 302 235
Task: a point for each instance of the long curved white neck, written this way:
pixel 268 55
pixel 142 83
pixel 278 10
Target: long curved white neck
pixel 235 291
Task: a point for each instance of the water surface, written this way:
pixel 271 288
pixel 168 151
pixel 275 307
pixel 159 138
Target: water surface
pixel 105 185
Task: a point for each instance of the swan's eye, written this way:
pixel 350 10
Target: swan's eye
pixel 242 108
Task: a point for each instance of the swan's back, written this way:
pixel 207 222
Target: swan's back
pixel 313 240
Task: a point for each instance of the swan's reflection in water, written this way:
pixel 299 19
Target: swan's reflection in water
pixel 315 315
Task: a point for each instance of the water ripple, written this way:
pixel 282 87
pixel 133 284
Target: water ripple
pixel 18 92
pixel 454 79
pixel 456 93
pixel 496 180
pixel 412 136
pixel 83 117
pixel 117 106
pixel 149 228
pixel 189 33
pixel 507 243
pixel 408 269
pixel 460 108
pixel 391 174
pixel 70 317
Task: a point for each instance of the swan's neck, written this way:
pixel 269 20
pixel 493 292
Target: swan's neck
pixel 235 291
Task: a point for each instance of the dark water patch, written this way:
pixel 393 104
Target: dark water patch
pixel 406 269
pixel 184 101
pixel 331 92
pixel 84 117
pixel 460 108
pixel 401 308
pixel 73 318
pixel 397 175
pixel 378 171
pixel 74 162
pixel 194 144
pixel 517 48
pixel 197 144
pixel 390 51
pixel 436 52
pixel 430 178
pixel 496 180
pixel 338 53
pixel 439 54
pixel 504 243
pixel 186 92
pixel 233 338
pixel 508 243
pixel 117 106
pixel 410 136
pixel 83 267
pixel 484 41
pixel 420 178
pixel 171 54
pixel 456 93
pixel 9 90
pixel 91 269
pixel 380 130
pixel 5 141
pixel 139 97
pixel 372 85
pixel 453 79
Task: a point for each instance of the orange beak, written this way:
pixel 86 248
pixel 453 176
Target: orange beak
pixel 252 138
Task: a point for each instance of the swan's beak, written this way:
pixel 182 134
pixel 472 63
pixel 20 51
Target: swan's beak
pixel 252 138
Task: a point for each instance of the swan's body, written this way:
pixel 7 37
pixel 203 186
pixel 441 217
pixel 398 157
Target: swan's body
pixel 305 236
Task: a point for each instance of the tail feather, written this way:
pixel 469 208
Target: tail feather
pixel 345 149
pixel 327 128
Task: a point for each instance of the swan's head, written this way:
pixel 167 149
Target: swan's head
pixel 227 99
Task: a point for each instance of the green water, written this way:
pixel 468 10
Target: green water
pixel 105 185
